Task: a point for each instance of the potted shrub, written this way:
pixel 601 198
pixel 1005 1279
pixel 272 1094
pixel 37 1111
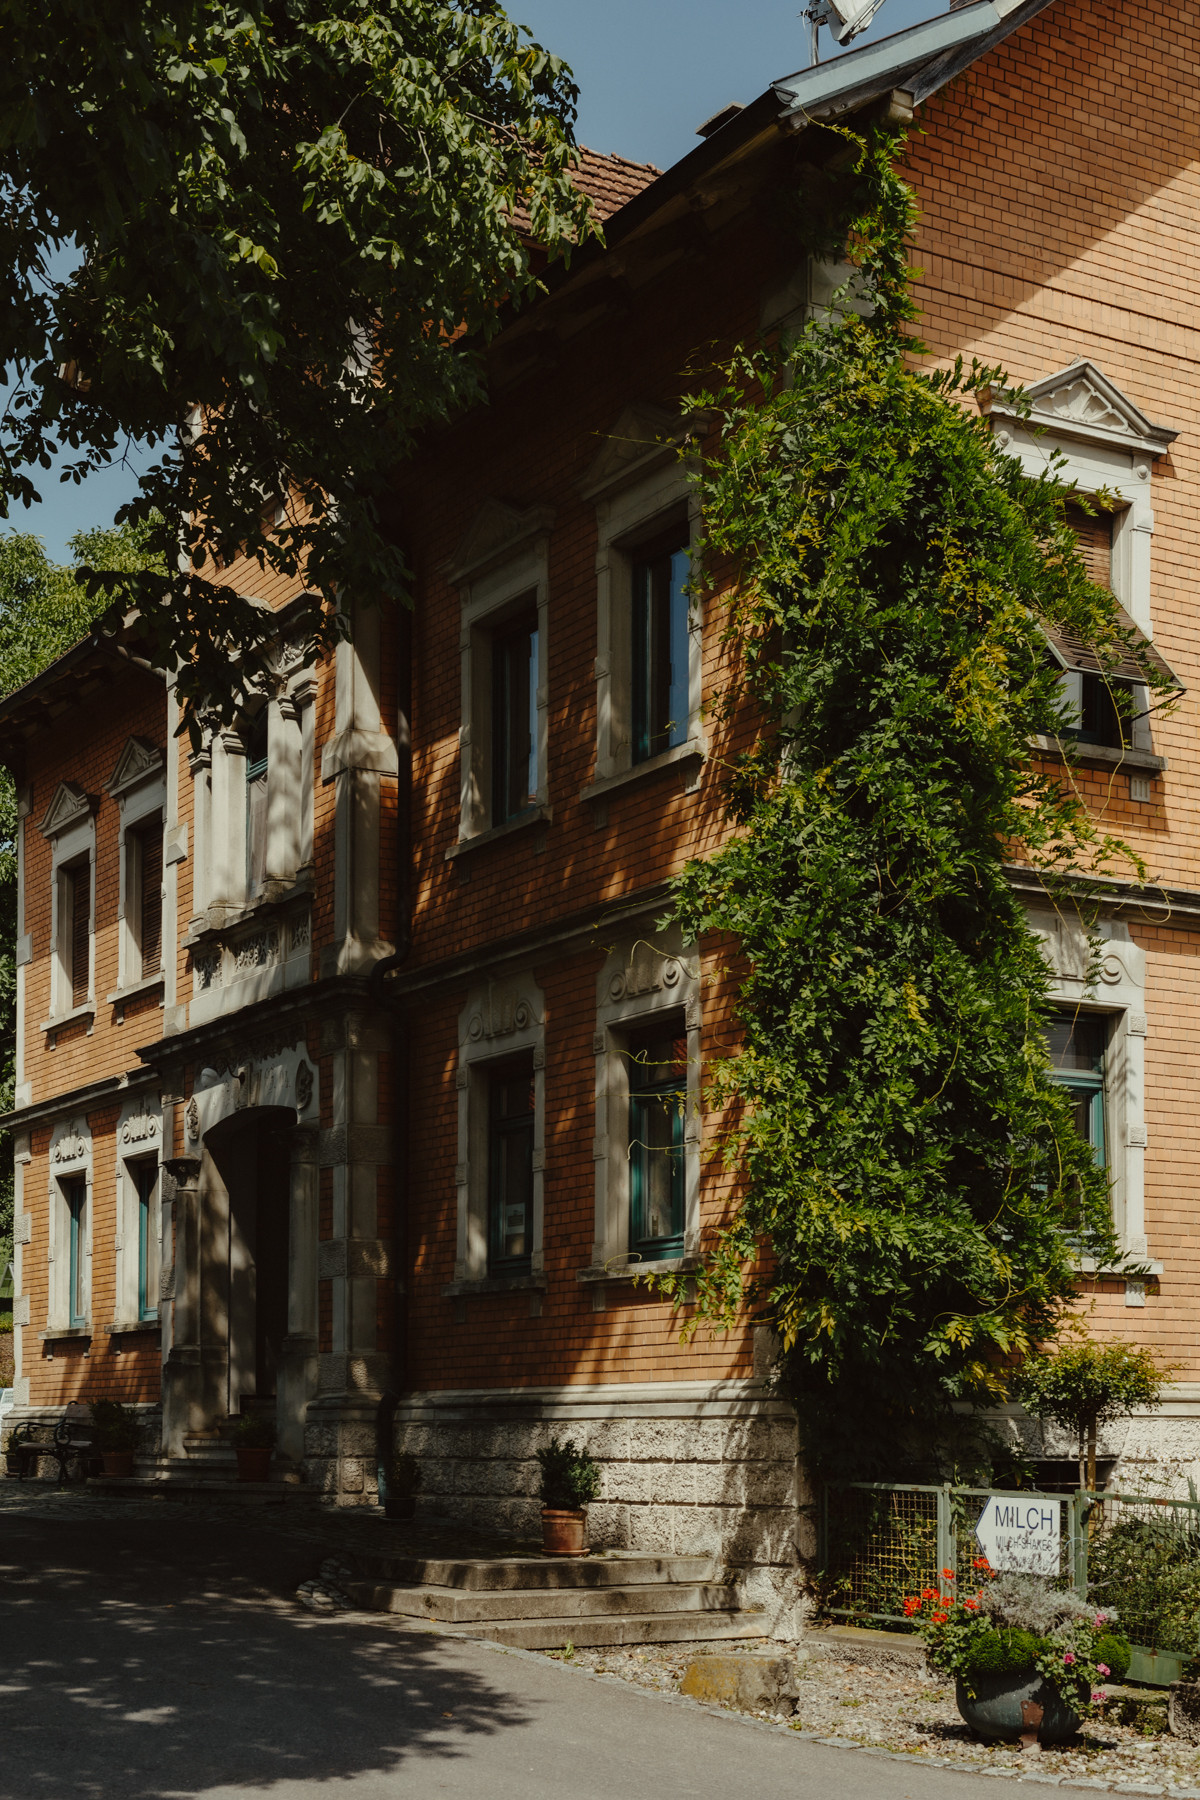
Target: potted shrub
pixel 253 1441
pixel 116 1434
pixel 399 1480
pixel 570 1480
pixel 1027 1658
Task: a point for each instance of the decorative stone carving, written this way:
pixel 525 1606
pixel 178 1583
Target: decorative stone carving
pixel 300 934
pixel 257 951
pixel 504 1010
pixel 139 761
pixel 648 971
pixel 1081 402
pixel 207 969
pixel 142 1128
pixel 71 1148
pixel 304 1087
pixel 192 1117
pixel 643 436
pixel 496 533
pixel 70 806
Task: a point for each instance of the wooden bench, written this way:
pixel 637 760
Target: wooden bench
pixel 68 1442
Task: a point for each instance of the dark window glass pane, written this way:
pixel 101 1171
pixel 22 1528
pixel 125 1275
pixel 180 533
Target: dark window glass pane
pixel 510 1171
pixel 79 885
pixel 1101 719
pixel 75 1194
pixel 1078 1040
pixel 256 804
pixel 660 651
pixel 657 1098
pixel 145 1175
pixel 514 721
pixel 150 930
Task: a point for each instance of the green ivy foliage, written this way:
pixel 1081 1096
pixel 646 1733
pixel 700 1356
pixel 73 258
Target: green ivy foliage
pixel 913 1194
pixel 293 226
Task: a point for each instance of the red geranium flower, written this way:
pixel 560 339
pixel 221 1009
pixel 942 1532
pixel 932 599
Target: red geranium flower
pixel 971 1605
pixel 940 1618
pixel 949 1574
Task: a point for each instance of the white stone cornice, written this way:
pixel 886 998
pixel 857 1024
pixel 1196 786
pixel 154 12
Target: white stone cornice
pixel 70 806
pixel 139 761
pixel 1081 402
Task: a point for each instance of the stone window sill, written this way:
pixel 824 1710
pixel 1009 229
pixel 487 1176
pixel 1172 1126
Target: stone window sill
pixel 64 1333
pixel 1147 1270
pixel 1101 755
pixel 691 752
pixel 131 1327
pixel 200 930
pixel 495 1284
pixel 666 1265
pixel 534 815
pixel 86 1011
pixel 119 995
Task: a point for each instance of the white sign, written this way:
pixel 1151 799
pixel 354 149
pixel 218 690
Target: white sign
pixel 1019 1535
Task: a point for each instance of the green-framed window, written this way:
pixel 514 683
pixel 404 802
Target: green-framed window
pixel 660 646
pixel 510 1169
pixel 514 720
pixel 145 1177
pixel 657 1103
pixel 1078 1045
pixel 75 1195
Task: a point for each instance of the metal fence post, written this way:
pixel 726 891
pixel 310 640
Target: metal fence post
pixel 1079 1535
pixel 946 1548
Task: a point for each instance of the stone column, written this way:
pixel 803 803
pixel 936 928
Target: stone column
pixel 297 1374
pixel 356 1370
pixel 359 758
pixel 284 798
pixel 183 1375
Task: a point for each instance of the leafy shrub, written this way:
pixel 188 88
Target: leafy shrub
pixel 115 1427
pixel 1114 1652
pixel 995 1652
pixel 1149 1569
pixel 254 1431
pixel 570 1477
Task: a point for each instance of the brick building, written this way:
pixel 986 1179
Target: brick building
pixel 351 1057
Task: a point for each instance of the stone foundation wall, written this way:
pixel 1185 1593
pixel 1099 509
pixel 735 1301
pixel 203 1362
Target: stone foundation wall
pixel 688 1469
pixel 1156 1451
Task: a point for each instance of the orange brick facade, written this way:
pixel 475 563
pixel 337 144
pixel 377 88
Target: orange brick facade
pixel 349 1013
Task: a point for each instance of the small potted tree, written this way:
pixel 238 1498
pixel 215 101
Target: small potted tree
pixel 1082 1385
pixel 570 1481
pixel 116 1434
pixel 253 1441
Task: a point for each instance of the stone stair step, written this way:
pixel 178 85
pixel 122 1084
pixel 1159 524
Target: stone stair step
pixel 204 1487
pixel 497 1573
pixel 617 1628
pixel 460 1605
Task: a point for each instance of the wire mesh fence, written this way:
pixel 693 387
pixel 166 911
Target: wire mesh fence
pixel 1136 1554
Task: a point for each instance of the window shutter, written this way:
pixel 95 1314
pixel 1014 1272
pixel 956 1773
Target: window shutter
pixel 1094 532
pixel 151 899
pixel 81 919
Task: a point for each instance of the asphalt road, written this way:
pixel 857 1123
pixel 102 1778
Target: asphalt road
pixel 165 1659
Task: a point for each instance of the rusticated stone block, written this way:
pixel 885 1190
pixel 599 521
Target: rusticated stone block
pixel 352 1475
pixel 654 1440
pixel 1183 1710
pixel 652 1528
pixel 608 1441
pixel 752 1680
pixel 320 1440
pixel 703 1530
pixel 608 1526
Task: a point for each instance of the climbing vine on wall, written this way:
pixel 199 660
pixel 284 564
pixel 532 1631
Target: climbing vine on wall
pixel 913 1194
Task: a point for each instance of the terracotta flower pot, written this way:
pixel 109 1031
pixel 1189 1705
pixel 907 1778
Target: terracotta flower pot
pixel 563 1530
pixel 117 1462
pixel 253 1465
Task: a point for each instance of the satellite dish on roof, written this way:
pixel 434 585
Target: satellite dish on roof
pixel 845 18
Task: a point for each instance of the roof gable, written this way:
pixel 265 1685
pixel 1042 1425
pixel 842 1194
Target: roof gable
pixel 643 437
pixel 1081 402
pixel 70 806
pixel 139 761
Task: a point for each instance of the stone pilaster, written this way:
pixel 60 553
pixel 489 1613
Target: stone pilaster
pixel 298 1368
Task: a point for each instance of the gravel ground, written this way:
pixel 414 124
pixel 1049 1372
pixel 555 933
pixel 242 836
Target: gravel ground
pixel 916 1715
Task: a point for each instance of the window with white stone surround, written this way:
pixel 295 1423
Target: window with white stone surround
pixel 1104 442
pixel 139 786
pixel 1115 997
pixel 69 1238
pixel 501 1079
pixel 648 668
pixel 501 572
pixel 139 1212
pixel 648 995
pixel 69 824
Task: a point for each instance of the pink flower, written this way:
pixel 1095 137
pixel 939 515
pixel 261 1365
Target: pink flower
pixel 1102 1618
pixel 1097 1697
pixel 1068 1657
pixel 1103 1669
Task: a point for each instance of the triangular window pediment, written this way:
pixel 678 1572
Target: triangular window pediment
pixel 497 532
pixel 642 437
pixel 1081 402
pixel 139 761
pixel 70 806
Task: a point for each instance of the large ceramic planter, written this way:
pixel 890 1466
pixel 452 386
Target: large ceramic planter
pixel 253 1465
pixel 564 1530
pixel 117 1462
pixel 996 1712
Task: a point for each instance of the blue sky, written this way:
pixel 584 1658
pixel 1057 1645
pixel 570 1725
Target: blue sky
pixel 649 72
